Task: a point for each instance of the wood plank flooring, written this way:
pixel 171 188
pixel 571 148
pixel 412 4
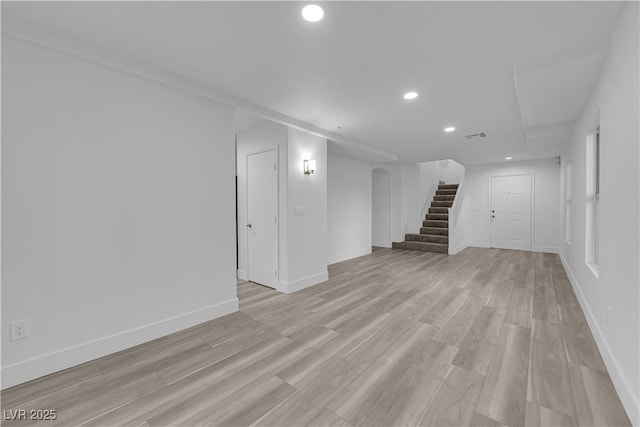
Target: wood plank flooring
pixel 396 338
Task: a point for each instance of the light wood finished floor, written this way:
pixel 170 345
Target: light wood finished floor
pixel 487 338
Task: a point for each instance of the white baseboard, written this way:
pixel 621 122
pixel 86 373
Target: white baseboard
pixel 296 285
pixel 546 249
pixel 389 246
pixel 629 399
pixel 477 245
pixel 459 248
pixel 45 364
pixel 463 246
pixel 241 274
pixel 349 255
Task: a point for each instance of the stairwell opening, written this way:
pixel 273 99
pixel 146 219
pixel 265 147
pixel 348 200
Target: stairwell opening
pixel 434 233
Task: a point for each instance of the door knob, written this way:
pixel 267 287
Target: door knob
pixel 249 225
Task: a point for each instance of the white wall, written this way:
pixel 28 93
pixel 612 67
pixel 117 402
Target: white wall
pixel 261 138
pixel 405 216
pixel 307 234
pixel 611 301
pixel 381 208
pixel 349 208
pixel 411 215
pixel 476 230
pixel 396 202
pixel 429 177
pixel 117 210
pixel 451 172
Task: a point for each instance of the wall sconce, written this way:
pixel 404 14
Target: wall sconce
pixel 309 166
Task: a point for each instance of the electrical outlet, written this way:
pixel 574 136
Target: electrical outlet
pixel 19 329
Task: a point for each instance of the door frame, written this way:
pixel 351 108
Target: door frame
pixel 274 148
pixel 533 210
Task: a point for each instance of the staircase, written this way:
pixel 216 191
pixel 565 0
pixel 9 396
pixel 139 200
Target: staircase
pixel 434 233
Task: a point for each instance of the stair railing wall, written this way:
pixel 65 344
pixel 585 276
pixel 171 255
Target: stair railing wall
pixel 427 203
pixel 455 215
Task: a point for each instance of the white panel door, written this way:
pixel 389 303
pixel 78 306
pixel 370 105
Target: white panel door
pixel 511 212
pixel 262 214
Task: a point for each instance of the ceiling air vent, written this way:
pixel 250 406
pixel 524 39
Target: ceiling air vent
pixel 476 135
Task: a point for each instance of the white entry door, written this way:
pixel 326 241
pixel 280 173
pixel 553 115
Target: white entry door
pixel 511 212
pixel 262 216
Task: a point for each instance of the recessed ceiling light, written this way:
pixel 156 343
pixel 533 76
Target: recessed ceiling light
pixel 508 158
pixel 410 95
pixel 312 13
pixel 449 129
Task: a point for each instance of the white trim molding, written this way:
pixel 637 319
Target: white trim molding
pixel 82 50
pixel 474 245
pixel 453 250
pixel 546 249
pixel 630 401
pixel 46 364
pixel 305 282
pixel 349 255
pixel 241 274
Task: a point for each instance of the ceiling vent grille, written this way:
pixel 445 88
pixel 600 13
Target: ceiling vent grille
pixel 476 135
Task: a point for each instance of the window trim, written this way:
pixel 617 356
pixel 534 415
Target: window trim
pixel 592 202
pixel 568 197
pixel 596 202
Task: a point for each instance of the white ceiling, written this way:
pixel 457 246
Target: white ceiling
pixel 519 71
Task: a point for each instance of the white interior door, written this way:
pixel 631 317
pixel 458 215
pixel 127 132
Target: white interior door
pixel 262 217
pixel 511 212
